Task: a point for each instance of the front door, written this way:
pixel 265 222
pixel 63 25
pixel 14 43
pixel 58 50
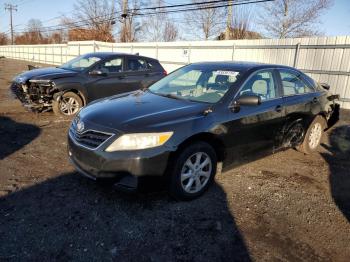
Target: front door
pixel 111 81
pixel 254 130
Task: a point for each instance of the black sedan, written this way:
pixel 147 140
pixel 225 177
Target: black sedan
pixel 196 117
pixel 67 88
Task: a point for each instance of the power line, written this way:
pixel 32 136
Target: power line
pixel 194 7
pixel 126 12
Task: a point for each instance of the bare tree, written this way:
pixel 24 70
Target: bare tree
pixel 35 31
pixel 33 35
pixel 131 25
pixel 239 25
pixel 170 32
pixel 206 23
pixel 4 40
pixel 292 18
pixel 159 27
pixel 93 20
pixel 56 37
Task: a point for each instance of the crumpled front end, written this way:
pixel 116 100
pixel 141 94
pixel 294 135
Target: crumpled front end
pixel 36 95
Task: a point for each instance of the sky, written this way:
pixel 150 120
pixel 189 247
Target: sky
pixel 335 21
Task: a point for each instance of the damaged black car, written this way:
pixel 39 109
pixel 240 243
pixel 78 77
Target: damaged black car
pixel 67 88
pixel 203 114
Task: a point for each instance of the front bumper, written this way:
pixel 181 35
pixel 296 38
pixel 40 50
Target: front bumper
pixel 98 164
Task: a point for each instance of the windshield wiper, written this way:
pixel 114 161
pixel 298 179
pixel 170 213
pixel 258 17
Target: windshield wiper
pixel 171 96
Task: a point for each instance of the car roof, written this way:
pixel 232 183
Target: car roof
pixel 241 65
pixel 108 54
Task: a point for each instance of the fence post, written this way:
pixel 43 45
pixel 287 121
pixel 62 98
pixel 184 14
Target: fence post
pixel 296 56
pixel 132 49
pixel 189 54
pixel 157 51
pixel 45 55
pixel 61 56
pixel 233 51
pixel 79 48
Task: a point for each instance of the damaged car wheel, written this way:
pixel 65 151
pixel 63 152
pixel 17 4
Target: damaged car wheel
pixel 68 105
pixel 313 136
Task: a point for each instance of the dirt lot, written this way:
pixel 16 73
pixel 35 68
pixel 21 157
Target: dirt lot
pixel 286 207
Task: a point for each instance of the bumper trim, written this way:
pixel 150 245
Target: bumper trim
pixel 80 170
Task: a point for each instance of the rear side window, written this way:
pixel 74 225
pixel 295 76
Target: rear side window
pixel 154 65
pixel 261 84
pixel 293 84
pixel 137 64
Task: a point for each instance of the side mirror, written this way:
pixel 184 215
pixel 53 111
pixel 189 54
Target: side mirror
pixel 325 86
pixel 249 100
pixel 97 73
pixel 245 100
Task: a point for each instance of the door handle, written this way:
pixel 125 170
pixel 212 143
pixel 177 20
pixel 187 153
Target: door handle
pixel 278 108
pixel 121 77
pixel 315 100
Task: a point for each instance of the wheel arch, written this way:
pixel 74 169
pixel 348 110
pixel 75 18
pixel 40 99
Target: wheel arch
pixel 79 93
pixel 206 137
pixel 59 94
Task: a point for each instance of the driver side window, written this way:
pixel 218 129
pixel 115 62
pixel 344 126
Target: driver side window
pixel 260 84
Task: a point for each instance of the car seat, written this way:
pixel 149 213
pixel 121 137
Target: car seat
pixel 260 88
pixel 221 82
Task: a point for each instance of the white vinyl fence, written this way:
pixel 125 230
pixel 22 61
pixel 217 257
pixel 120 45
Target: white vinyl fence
pixel 326 59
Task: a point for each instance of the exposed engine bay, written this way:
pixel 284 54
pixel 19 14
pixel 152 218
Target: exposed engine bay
pixel 36 95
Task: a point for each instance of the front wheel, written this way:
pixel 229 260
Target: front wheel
pixel 193 171
pixel 68 105
pixel 313 136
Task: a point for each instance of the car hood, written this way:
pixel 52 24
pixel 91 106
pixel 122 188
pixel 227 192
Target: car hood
pixel 48 73
pixel 140 111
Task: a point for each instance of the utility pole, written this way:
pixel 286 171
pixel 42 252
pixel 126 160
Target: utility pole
pixel 124 16
pixel 229 21
pixel 11 8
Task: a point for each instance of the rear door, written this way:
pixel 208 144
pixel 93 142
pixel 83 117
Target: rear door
pixel 301 102
pixel 140 73
pixel 254 130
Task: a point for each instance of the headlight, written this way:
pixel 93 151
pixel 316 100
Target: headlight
pixel 139 141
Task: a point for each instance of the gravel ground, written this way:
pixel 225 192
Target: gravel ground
pixel 285 207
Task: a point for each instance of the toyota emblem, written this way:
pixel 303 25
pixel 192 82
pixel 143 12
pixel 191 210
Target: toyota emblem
pixel 80 126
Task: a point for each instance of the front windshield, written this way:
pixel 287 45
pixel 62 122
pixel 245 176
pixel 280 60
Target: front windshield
pixel 198 84
pixel 81 62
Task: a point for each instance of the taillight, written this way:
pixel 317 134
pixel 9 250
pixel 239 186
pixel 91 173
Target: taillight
pixel 165 72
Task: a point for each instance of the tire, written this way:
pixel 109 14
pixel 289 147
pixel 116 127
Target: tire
pixel 179 183
pixel 313 136
pixel 62 108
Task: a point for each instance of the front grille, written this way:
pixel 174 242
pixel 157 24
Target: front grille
pixel 90 138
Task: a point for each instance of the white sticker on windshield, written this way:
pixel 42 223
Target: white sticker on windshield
pixel 226 73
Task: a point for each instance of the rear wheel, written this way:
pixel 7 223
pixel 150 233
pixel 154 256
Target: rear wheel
pixel 193 171
pixel 313 136
pixel 68 105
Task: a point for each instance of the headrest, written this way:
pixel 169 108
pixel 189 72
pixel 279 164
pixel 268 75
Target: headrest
pixel 289 88
pixel 221 79
pixel 260 87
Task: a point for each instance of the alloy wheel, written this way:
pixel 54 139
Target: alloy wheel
pixel 315 135
pixel 69 106
pixel 196 172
